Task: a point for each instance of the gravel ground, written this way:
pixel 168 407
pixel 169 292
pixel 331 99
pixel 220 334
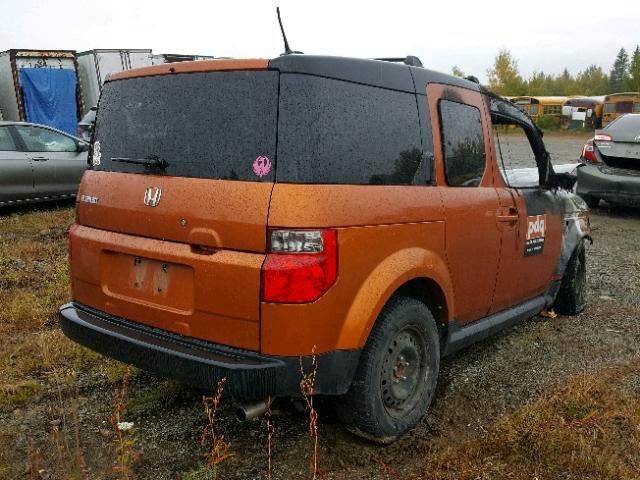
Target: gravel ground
pixel 562 146
pixel 476 386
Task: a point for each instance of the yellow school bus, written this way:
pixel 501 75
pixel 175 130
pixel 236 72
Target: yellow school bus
pixel 587 109
pixel 537 107
pixel 618 104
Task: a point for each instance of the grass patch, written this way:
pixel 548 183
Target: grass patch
pixel 204 473
pixel 38 356
pixel 150 400
pixel 590 428
pixel 39 353
pixel 34 278
pixel 17 394
pixel 37 219
pixel 8 466
pixel 114 371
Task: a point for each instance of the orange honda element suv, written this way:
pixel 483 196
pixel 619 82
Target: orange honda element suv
pixel 243 216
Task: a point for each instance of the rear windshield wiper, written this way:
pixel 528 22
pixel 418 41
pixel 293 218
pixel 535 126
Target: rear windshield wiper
pixel 150 161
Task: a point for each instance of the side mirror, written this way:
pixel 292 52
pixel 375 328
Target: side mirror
pixel 83 147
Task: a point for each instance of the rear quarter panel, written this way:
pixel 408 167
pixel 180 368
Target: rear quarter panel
pixel 387 235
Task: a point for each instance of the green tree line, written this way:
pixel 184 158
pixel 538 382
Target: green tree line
pixel 505 79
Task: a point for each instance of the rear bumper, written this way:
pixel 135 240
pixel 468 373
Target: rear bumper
pixel 202 364
pixel 609 184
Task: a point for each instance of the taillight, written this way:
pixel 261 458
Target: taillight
pixel 603 137
pixel 72 230
pixel 301 265
pixel 588 152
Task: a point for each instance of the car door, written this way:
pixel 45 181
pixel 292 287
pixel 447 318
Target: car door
pixel 464 173
pixel 533 230
pixel 58 160
pixel 16 174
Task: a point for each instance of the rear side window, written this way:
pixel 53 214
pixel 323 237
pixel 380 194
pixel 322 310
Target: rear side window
pixel 332 131
pixel 219 125
pixel 6 142
pixel 462 143
pixel 624 107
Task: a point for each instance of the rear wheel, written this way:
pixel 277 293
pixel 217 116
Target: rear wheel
pixel 591 201
pixel 572 297
pixel 397 374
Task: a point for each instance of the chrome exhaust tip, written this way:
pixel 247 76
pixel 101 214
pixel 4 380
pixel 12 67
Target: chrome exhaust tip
pixel 248 411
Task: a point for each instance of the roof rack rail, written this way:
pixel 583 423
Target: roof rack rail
pixel 408 60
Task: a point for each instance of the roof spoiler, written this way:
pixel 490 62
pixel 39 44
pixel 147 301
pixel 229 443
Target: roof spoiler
pixel 408 60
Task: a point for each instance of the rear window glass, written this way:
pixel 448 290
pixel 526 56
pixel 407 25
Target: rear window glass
pixel 462 143
pixel 626 123
pixel 332 131
pixel 218 125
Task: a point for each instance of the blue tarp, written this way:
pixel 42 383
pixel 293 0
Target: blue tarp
pixel 49 97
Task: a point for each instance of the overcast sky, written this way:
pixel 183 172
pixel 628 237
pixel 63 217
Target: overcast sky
pixel 541 34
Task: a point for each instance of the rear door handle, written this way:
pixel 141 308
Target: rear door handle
pixel 39 159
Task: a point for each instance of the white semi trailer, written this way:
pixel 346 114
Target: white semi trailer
pixel 95 65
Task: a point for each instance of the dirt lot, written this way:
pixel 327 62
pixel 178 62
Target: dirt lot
pixel 548 399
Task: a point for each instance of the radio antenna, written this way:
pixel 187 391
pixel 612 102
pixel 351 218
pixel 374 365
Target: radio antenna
pixel 287 49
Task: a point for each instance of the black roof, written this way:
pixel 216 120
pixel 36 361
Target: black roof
pixel 378 73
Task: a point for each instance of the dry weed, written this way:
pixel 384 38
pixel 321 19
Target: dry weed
pixel 125 440
pixel 307 385
pixel 219 449
pixel 271 430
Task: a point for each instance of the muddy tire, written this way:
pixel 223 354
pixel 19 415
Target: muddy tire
pixel 397 374
pixel 572 296
pixel 591 201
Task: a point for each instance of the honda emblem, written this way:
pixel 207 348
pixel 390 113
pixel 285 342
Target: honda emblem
pixel 152 196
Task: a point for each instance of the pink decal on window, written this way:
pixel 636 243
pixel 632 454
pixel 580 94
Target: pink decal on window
pixel 261 166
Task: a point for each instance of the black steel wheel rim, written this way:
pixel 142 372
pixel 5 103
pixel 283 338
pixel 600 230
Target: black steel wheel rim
pixel 404 371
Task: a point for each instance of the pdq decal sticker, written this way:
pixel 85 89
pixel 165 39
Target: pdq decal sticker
pixel 96 156
pixel 261 166
pixel 534 244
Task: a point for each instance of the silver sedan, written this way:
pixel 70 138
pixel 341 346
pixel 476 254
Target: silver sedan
pixel 39 163
pixel 611 160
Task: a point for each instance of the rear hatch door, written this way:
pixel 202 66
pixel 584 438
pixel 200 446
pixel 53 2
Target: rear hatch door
pixel 174 211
